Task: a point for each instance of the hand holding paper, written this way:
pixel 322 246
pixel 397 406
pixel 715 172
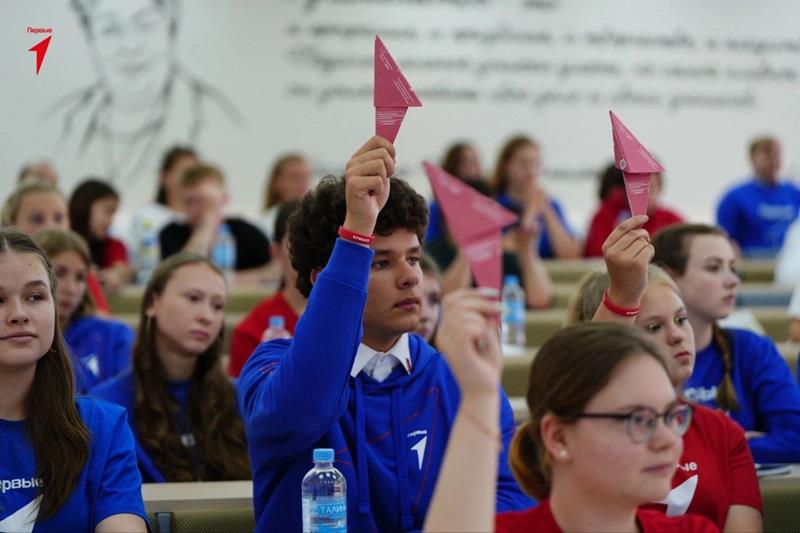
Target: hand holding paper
pixel 636 164
pixel 393 94
pixel 475 222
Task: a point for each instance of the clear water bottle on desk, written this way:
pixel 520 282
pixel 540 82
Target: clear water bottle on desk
pixel 324 496
pixel 224 253
pixel 513 327
pixel 276 329
pixel 148 253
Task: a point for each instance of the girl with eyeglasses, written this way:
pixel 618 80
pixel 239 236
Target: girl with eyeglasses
pixel 737 371
pixel 716 477
pixel 604 435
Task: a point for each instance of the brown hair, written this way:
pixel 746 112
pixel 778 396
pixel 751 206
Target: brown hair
pixel 56 241
pixel 761 143
pixel 200 173
pixel 169 160
pixel 672 253
pixel 452 159
pixel 499 180
pixel 589 295
pixel 53 425
pixel 429 266
pixel 8 216
pixel 568 371
pixel 271 197
pixel 213 415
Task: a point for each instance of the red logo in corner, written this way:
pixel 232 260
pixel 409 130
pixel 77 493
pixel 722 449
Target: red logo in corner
pixel 41 47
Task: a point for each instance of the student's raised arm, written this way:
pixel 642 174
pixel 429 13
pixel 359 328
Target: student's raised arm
pixel 626 252
pixel 464 499
pixel 290 394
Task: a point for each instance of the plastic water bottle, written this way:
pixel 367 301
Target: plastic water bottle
pixel 513 327
pixel 149 252
pixel 276 329
pixel 324 496
pixel 224 253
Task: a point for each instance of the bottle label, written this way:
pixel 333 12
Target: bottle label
pixel 328 515
pixel 514 313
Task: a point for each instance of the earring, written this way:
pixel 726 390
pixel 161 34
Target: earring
pixel 562 453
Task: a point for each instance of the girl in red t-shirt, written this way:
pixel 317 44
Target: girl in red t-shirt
pixel 716 476
pixel 604 435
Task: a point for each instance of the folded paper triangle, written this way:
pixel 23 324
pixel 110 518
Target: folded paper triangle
pixel 392 94
pixel 475 222
pixel 636 164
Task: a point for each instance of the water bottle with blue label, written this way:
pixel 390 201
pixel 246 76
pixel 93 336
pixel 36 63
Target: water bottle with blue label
pixel 148 253
pixel 513 327
pixel 324 496
pixel 224 252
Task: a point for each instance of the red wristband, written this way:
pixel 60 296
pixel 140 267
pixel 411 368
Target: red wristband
pixel 352 236
pixel 617 310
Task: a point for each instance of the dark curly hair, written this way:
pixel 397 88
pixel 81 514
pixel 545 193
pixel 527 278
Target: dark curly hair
pixel 314 225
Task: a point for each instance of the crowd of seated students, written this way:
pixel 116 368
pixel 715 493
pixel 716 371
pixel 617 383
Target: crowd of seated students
pixel 388 346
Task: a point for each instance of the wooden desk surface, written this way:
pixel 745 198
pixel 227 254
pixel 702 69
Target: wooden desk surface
pixel 165 497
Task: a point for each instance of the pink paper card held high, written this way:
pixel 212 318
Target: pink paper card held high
pixel 392 93
pixel 475 222
pixel 636 164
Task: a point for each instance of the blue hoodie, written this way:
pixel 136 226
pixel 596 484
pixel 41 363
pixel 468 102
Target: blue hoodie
pixel 389 437
pixel 757 215
pixel 101 348
pixel 122 391
pixel 768 396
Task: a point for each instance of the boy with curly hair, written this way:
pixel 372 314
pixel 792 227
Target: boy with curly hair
pixel 353 378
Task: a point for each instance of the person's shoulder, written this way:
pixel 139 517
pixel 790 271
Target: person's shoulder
pixel 656 521
pixel 120 389
pixel 259 315
pixel 714 422
pixel 238 224
pixel 749 343
pixel 101 322
pixel 739 190
pixel 265 357
pixel 536 518
pixel 99 413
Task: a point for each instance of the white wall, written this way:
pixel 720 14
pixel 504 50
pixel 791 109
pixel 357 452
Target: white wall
pixel 694 80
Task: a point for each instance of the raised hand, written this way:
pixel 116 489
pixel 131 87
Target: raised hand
pixel 469 339
pixel 627 252
pixel 367 181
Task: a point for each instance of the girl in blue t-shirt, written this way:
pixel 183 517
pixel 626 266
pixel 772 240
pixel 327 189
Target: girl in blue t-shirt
pixel 101 346
pixel 516 185
pixel 65 464
pixel 180 403
pixel 736 370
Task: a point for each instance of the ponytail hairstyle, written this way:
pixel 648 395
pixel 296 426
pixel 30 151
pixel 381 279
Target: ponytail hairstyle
pixel 56 241
pixel 53 425
pixel 568 371
pixel 672 253
pixel 214 418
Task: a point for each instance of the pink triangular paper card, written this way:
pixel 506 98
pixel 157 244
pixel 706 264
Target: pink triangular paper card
pixel 469 213
pixel 486 260
pixel 637 187
pixel 391 87
pixel 388 121
pixel 629 154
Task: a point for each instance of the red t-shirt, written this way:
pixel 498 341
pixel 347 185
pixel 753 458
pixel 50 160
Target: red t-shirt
pixel 247 334
pixel 614 210
pixel 541 520
pixel 716 470
pixel 115 252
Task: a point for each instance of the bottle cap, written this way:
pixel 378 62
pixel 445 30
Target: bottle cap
pixel 276 322
pixel 323 455
pixel 511 279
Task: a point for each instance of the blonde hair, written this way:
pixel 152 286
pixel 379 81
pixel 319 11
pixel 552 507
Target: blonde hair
pixel 199 174
pixel 589 296
pixel 8 216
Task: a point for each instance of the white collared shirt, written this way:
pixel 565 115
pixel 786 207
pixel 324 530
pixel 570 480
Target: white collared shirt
pixel 378 365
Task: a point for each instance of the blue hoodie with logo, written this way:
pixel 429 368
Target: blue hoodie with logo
pixel 767 394
pixel 389 437
pixel 100 347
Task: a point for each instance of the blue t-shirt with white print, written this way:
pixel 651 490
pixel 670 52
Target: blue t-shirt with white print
pixel 101 347
pixel 109 483
pixel 757 215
